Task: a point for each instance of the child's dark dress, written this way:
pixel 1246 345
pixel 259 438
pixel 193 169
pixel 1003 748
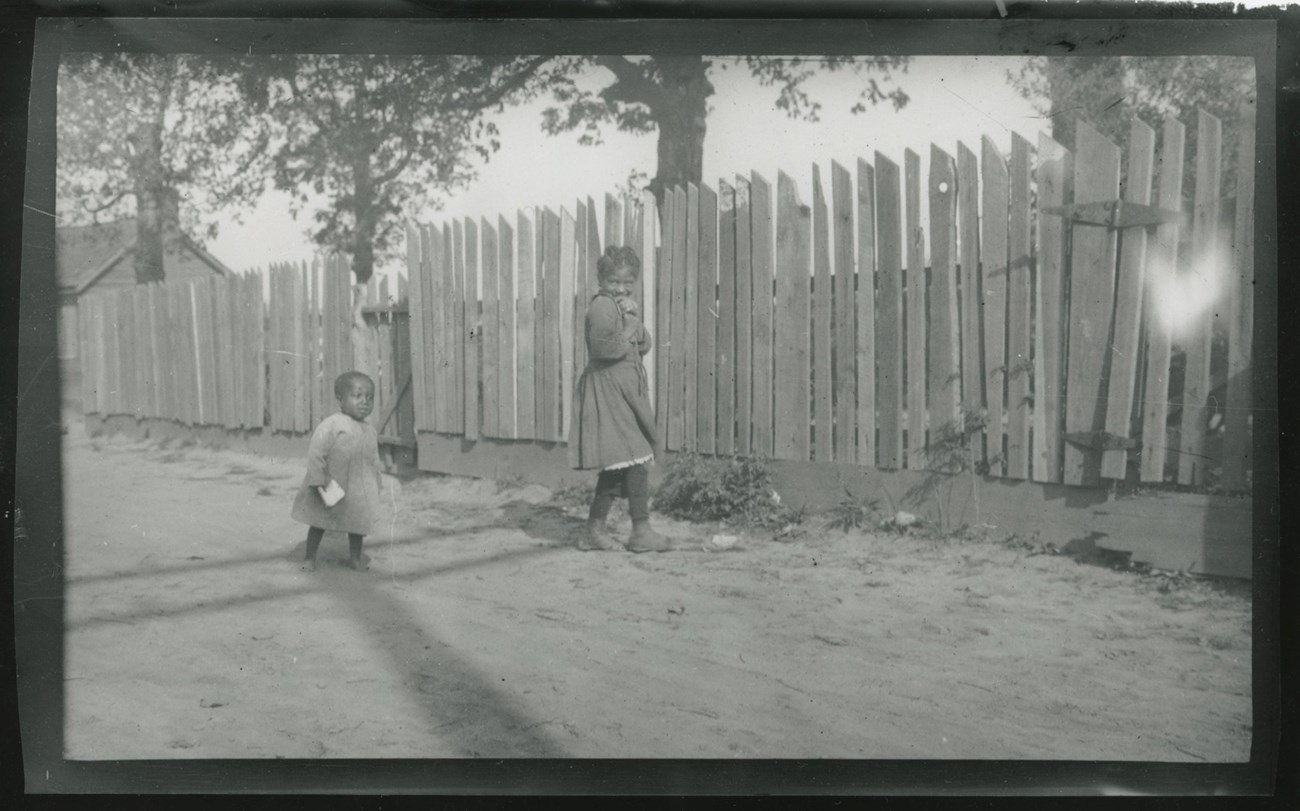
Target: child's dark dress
pixel 346 451
pixel 613 420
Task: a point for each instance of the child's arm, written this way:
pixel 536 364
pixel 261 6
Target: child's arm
pixel 605 331
pixel 322 439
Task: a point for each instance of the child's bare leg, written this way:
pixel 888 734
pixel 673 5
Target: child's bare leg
pixel 356 559
pixel 314 536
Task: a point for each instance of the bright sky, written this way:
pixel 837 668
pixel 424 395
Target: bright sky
pixel 952 99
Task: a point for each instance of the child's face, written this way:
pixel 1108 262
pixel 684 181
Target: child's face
pixel 619 283
pixel 358 401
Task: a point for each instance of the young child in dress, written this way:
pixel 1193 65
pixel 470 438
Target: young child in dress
pixel 343 454
pixel 613 426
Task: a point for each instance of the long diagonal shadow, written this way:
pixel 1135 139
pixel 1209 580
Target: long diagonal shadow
pixel 458 696
pixel 223 563
pixel 145 614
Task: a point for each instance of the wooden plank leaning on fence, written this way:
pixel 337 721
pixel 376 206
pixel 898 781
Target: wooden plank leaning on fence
pixel 744 319
pixel 944 338
pixel 1241 288
pixel 491 345
pixel 471 332
pixel 993 287
pixel 916 312
pixel 845 316
pixel 506 329
pixel 677 340
pixel 1193 462
pixel 822 348
pixel 793 374
pixel 971 297
pixel 1019 288
pixel 889 315
pixel 1162 260
pixel 691 360
pixel 706 330
pixel 1092 299
pixel 865 303
pixel 763 268
pixel 525 331
pixel 726 431
pixel 414 307
pixel 1129 292
pixel 568 270
pixel 1055 176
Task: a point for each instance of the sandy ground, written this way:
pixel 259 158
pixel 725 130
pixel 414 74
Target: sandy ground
pixel 481 632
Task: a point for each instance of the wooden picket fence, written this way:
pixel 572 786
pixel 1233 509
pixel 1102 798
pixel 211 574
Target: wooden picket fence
pixel 1026 336
pixel 222 352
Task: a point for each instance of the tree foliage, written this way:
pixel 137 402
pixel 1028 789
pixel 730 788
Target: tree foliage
pixel 670 95
pixel 1109 91
pixel 379 137
pixel 165 138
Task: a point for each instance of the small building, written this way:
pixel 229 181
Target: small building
pixel 101 257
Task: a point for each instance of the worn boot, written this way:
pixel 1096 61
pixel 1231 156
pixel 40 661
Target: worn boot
pixel 644 539
pixel 596 537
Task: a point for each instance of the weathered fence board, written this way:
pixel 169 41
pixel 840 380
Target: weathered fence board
pixel 506 330
pixel 581 296
pixel 914 312
pixel 471 332
pixel 456 339
pixel 706 333
pixel 1055 176
pixel 568 269
pixel 1019 362
pixel 647 229
pixel 993 303
pixel 726 364
pixel 845 373
pixel 1129 291
pixel 488 331
pixel 690 422
pixel 664 293
pixel 526 355
pixel 944 338
pixel 1092 298
pixel 889 315
pixel 416 247
pixel 763 264
pixel 678 337
pixel 1193 463
pixel 972 327
pixel 820 346
pixel 866 313
pixel 744 319
pixel 791 314
pixel 1241 320
pixel 549 411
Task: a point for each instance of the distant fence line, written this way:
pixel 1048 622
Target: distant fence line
pixel 781 329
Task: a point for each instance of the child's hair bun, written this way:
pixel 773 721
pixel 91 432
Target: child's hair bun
pixel 615 257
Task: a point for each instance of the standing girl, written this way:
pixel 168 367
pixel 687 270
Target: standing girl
pixel 613 427
pixel 343 458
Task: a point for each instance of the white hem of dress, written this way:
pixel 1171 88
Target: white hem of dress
pixel 631 463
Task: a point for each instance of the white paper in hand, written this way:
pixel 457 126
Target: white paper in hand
pixel 331 494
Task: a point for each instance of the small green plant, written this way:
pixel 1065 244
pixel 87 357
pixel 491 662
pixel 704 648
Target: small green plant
pixel 736 490
pixel 851 513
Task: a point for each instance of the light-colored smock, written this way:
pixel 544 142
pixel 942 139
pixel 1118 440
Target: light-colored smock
pixel 613 424
pixel 347 451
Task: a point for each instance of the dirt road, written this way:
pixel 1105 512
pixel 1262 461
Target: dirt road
pixel 480 632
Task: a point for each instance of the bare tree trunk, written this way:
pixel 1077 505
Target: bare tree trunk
pixel 681 115
pixel 157 205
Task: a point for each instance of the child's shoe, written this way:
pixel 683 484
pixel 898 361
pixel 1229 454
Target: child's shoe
pixel 597 538
pixel 645 539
